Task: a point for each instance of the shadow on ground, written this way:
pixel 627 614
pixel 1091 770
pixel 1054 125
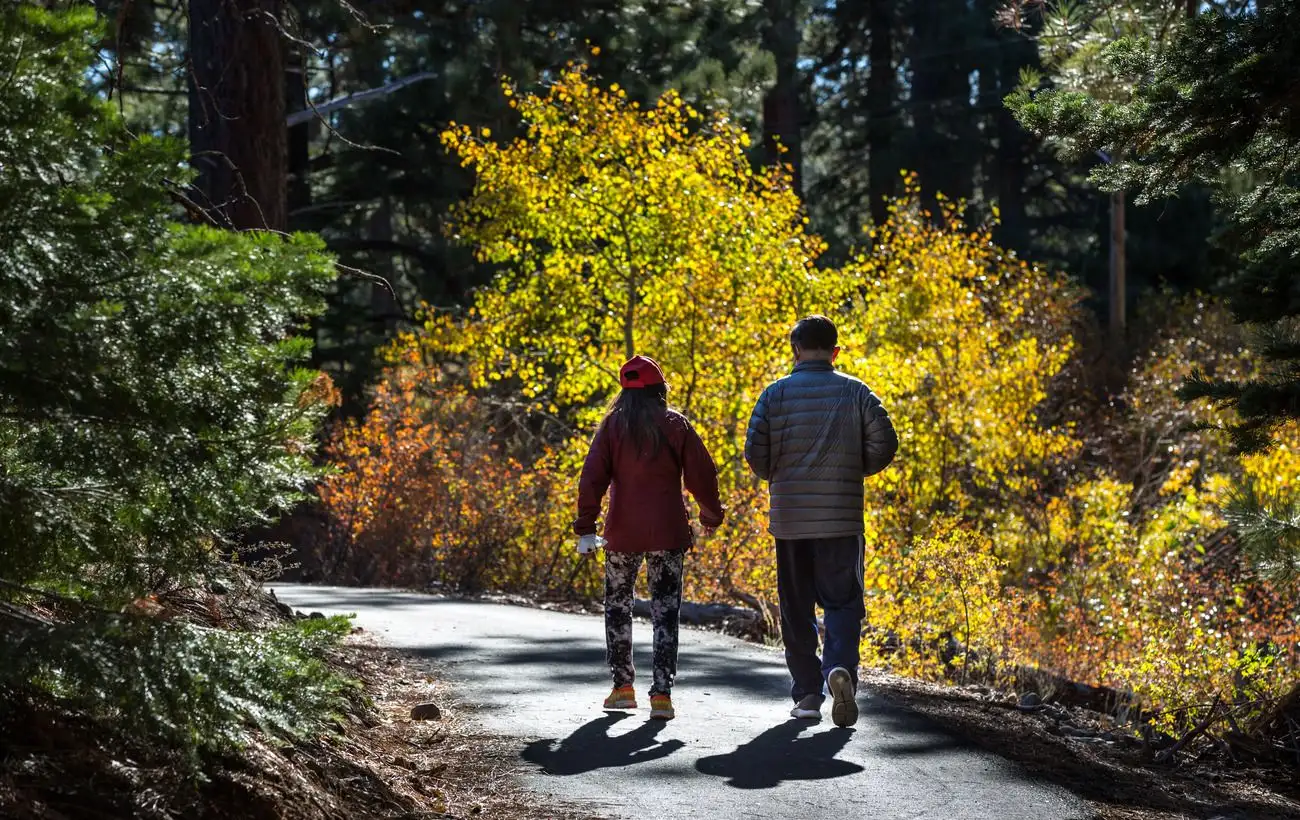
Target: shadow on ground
pixel 591 747
pixel 781 754
pixel 581 660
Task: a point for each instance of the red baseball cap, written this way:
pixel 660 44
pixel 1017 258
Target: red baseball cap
pixel 640 371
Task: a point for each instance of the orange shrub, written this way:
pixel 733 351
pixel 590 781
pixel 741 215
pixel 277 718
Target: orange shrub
pixel 425 490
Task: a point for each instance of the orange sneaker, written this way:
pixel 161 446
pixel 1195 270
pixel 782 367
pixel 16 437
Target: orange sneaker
pixel 661 707
pixel 624 697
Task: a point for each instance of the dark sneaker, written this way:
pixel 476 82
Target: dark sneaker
pixel 810 708
pixel 844 706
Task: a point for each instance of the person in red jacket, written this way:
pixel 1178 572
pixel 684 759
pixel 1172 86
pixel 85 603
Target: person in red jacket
pixel 642 452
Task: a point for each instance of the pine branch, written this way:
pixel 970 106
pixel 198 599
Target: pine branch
pixel 1198 387
pixel 1269 530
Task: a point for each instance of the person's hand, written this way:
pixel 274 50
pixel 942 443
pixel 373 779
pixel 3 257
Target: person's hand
pixel 589 544
pixel 709 531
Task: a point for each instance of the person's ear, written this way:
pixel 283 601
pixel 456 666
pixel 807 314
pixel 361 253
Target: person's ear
pixel 835 351
pixel 794 351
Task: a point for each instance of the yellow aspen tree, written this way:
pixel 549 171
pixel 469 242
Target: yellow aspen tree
pixel 623 230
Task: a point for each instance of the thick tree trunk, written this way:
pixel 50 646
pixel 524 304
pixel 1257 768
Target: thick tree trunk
pixel 882 169
pixel 237 111
pixel 298 158
pixel 782 118
pixel 924 142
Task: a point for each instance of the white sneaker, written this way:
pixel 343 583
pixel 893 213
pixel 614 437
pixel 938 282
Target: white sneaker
pixel 844 706
pixel 810 708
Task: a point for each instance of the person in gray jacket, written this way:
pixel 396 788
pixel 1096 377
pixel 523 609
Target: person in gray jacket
pixel 814 436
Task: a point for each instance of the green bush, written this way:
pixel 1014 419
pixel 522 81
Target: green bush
pixel 149 396
pixel 151 403
pixel 179 685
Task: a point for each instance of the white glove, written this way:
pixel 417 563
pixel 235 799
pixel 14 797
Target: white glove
pixel 588 544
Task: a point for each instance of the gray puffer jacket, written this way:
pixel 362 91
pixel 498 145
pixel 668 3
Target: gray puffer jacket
pixel 814 436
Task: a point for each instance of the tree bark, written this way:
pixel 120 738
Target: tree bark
pixel 1118 285
pixel 1014 149
pixel 782 118
pixel 944 143
pixel 882 168
pixel 298 148
pixel 237 111
pixel 924 143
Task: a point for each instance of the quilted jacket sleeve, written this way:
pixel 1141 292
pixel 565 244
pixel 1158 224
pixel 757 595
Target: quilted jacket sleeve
pixel 701 478
pixel 879 441
pixel 758 440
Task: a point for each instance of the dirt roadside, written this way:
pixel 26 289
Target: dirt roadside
pixel 1068 747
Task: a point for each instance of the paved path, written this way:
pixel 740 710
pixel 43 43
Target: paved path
pixel 731 753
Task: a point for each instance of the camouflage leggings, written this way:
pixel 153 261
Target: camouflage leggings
pixel 664 571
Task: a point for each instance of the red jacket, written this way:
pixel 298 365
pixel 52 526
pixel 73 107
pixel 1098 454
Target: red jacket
pixel 647 512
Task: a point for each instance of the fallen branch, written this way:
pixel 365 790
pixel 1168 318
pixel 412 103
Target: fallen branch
pixel 704 614
pixel 769 611
pixel 1199 729
pixel 20 617
pixel 1286 704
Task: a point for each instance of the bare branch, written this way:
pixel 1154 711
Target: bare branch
pixel 348 100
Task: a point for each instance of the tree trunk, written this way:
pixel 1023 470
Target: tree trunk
pixel 237 112
pixel 782 126
pixel 384 307
pixel 882 168
pixel 1014 149
pixel 924 142
pixel 944 145
pixel 298 159
pixel 1118 285
pixel 629 317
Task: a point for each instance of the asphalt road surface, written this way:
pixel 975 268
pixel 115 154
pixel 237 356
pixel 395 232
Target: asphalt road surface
pixel 732 751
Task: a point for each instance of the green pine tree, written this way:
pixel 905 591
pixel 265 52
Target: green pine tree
pixel 151 402
pixel 1215 105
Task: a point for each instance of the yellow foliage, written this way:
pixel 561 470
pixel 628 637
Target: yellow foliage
pixel 1276 472
pixel 962 341
pixel 622 230
pixel 940 604
pixel 625 230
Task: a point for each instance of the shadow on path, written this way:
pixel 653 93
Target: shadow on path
pixel 591 747
pixel 780 754
pixel 542 663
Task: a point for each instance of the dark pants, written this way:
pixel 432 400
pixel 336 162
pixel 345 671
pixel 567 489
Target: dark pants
pixel 824 572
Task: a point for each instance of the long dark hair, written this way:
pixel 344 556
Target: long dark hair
pixel 635 415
